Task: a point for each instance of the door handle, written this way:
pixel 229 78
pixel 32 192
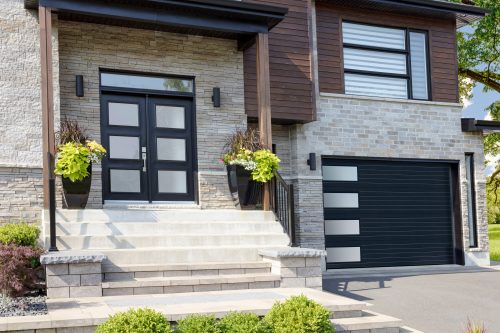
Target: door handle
pixel 144 158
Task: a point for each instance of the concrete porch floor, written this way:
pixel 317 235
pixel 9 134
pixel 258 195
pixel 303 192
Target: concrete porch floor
pixel 89 312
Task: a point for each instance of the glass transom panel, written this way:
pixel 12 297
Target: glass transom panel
pixel 170 117
pixel 146 82
pixel 123 114
pixel 171 149
pixel 124 147
pixel 172 181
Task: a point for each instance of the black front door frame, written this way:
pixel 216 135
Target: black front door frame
pixel 103 90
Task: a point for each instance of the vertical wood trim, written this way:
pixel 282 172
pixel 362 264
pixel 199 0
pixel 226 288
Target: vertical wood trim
pixel 313 49
pixel 264 103
pixel 47 97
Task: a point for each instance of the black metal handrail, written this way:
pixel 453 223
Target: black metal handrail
pixel 283 205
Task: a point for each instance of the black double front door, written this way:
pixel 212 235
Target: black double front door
pixel 150 148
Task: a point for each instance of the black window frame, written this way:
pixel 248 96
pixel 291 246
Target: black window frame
pixel 471 199
pixel 406 52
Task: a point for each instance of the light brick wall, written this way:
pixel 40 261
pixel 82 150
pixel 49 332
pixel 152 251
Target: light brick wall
pixel 371 127
pixel 214 62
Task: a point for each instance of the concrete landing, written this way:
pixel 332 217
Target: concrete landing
pixel 89 312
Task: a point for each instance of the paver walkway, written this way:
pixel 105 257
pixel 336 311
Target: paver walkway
pixel 82 312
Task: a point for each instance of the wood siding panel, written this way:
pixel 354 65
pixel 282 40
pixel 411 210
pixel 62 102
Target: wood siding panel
pixel 442 45
pixel 290 67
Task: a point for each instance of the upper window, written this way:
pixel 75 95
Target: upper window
pixel 385 62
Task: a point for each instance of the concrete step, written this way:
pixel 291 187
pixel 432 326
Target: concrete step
pixel 158 215
pixel 164 228
pixel 169 240
pixel 130 272
pixel 181 255
pixel 167 285
pixel 368 322
pixel 212 266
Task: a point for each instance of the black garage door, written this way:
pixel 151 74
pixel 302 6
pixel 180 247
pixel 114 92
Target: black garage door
pixel 387 213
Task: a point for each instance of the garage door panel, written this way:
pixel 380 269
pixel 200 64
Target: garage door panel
pixel 404 212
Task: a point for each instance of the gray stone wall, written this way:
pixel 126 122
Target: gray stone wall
pixel 21 194
pixel 374 127
pixel 84 48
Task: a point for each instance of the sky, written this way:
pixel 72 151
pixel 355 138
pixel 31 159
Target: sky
pixel 475 108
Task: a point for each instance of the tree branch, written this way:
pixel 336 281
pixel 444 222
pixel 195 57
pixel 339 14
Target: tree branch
pixel 490 79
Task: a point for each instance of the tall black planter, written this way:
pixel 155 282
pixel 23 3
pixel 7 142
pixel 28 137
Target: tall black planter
pixel 246 193
pixel 76 194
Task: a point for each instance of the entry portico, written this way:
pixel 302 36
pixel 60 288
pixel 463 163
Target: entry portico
pixel 172 36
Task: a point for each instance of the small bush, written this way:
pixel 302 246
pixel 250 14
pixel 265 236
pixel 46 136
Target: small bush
pixel 17 269
pixel 21 234
pixel 237 322
pixel 299 315
pixel 136 321
pixel 474 328
pixel 198 324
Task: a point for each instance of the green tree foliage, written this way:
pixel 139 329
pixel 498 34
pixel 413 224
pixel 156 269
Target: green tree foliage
pixel 479 61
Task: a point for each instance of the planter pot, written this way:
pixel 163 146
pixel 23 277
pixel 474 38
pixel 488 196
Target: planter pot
pixel 76 194
pixel 246 193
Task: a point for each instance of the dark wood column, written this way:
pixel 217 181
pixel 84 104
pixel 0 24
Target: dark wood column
pixel 264 102
pixel 47 90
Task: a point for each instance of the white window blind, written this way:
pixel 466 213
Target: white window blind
pixel 369 35
pixel 374 61
pixel 418 53
pixel 368 85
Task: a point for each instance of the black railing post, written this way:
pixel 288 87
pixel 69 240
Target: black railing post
pixel 52 206
pixel 291 212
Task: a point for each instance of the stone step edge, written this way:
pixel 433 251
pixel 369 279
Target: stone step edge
pixel 370 320
pixel 107 268
pixel 173 222
pixel 170 234
pixel 190 281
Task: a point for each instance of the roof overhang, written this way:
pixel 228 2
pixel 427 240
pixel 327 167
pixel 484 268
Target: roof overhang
pixel 464 14
pixel 218 18
pixel 475 125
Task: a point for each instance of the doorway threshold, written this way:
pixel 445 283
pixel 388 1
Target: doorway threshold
pixel 146 205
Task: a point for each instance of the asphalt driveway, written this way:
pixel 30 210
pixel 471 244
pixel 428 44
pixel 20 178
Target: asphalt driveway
pixel 437 301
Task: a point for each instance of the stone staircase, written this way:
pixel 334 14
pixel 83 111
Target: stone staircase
pixel 174 250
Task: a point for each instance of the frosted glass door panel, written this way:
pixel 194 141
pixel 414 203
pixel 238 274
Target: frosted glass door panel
pixel 123 114
pixel 172 181
pixel 128 181
pixel 124 147
pixel 171 149
pixel 170 117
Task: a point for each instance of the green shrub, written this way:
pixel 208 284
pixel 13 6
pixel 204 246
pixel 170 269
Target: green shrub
pixel 198 324
pixel 299 315
pixel 21 234
pixel 237 322
pixel 136 321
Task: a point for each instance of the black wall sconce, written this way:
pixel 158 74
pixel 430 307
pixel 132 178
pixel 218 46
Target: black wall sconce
pixel 312 161
pixel 79 85
pixel 216 97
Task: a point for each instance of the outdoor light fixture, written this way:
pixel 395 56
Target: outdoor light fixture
pixel 312 161
pixel 216 97
pixel 79 85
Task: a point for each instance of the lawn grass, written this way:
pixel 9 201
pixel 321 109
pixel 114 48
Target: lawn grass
pixel 494 233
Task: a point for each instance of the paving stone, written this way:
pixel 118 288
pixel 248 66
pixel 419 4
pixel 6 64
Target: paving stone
pixel 85 291
pixel 91 279
pixel 148 290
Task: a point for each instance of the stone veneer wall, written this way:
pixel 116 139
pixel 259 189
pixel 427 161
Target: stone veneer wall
pixel 20 111
pixel 375 127
pixel 84 48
